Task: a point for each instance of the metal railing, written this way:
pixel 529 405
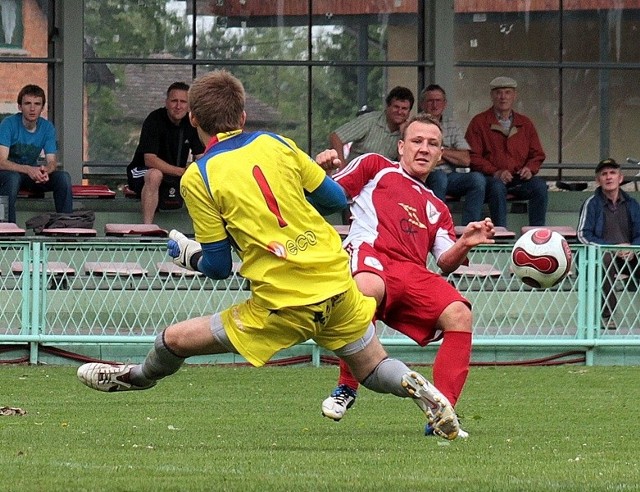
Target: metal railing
pixel 50 295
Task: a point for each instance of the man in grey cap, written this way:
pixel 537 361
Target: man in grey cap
pixel 612 217
pixel 505 147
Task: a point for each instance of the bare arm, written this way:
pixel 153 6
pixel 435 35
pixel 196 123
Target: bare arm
pixel 455 157
pixel 328 160
pixel 36 173
pixel 52 163
pixel 153 161
pixel 338 145
pixel 6 164
pixel 474 234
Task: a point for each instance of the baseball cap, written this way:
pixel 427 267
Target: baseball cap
pixel 607 163
pixel 500 82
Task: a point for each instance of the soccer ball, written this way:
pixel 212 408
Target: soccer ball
pixel 541 258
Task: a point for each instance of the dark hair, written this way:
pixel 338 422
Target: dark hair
pixel 31 90
pixel 401 94
pixel 178 86
pixel 429 88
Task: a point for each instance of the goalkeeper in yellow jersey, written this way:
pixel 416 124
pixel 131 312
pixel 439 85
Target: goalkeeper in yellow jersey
pixel 254 190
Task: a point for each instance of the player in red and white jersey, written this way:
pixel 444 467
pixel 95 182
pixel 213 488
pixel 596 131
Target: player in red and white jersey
pixel 396 222
pixel 394 211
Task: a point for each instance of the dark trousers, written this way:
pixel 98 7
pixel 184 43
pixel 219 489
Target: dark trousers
pixel 59 182
pixel 534 190
pixel 613 266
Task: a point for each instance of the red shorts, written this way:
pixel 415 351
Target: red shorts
pixel 415 297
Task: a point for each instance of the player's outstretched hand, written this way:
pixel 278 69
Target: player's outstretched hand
pixel 184 251
pixel 480 232
pixel 328 160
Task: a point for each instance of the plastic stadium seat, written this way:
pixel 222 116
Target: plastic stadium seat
pixel 170 269
pixel 477 270
pixel 69 232
pixel 23 193
pixel 128 193
pixel 53 268
pixel 134 230
pixel 114 268
pixel 92 191
pixel 10 229
pixel 343 230
pixel 502 233
pixel 568 232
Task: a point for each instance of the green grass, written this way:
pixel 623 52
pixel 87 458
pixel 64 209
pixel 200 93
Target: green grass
pixel 567 428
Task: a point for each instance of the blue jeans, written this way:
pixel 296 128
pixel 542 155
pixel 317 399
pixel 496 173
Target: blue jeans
pixel 469 185
pixel 533 190
pixel 59 182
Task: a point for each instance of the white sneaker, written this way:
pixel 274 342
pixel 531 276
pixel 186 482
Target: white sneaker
pixel 109 378
pixel 341 400
pixel 434 404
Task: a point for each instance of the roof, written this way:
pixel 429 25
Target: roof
pixel 332 8
pixel 145 86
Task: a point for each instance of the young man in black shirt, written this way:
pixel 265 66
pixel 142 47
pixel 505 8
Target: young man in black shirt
pixel 166 140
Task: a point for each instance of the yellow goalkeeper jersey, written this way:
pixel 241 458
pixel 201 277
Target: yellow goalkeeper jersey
pixel 250 187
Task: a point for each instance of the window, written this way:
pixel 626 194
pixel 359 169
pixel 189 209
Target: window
pixel 11 30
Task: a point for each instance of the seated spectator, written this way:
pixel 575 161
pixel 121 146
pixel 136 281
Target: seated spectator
pixel 375 131
pixel 452 176
pixel 24 136
pixel 611 216
pixel 166 140
pixel 347 147
pixel 505 148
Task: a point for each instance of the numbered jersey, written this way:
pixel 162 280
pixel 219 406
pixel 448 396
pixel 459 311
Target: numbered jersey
pixel 250 187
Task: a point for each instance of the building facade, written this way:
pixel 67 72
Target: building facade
pixel 310 64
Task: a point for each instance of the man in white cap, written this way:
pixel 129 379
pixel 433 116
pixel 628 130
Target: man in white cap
pixel 505 147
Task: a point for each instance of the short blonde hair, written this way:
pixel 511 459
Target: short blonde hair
pixel 421 118
pixel 217 100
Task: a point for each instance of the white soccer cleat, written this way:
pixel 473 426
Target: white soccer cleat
pixel 108 378
pixel 462 434
pixel 434 404
pixel 341 400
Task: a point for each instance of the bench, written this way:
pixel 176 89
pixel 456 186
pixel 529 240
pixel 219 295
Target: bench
pixel 501 233
pixel 57 271
pixel 569 233
pixel 10 229
pixel 78 191
pixel 105 170
pixel 114 268
pixel 69 232
pixel 135 230
pixel 570 173
pixel 92 191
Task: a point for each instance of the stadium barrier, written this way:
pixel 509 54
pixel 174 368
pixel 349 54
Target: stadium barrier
pixel 118 293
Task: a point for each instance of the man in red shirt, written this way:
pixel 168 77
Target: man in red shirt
pixel 396 222
pixel 505 148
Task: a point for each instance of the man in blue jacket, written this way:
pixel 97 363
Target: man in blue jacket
pixel 612 217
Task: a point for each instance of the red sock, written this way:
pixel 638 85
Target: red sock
pixel 346 377
pixel 451 366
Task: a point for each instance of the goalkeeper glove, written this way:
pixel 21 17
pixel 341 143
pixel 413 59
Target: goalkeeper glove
pixel 184 251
